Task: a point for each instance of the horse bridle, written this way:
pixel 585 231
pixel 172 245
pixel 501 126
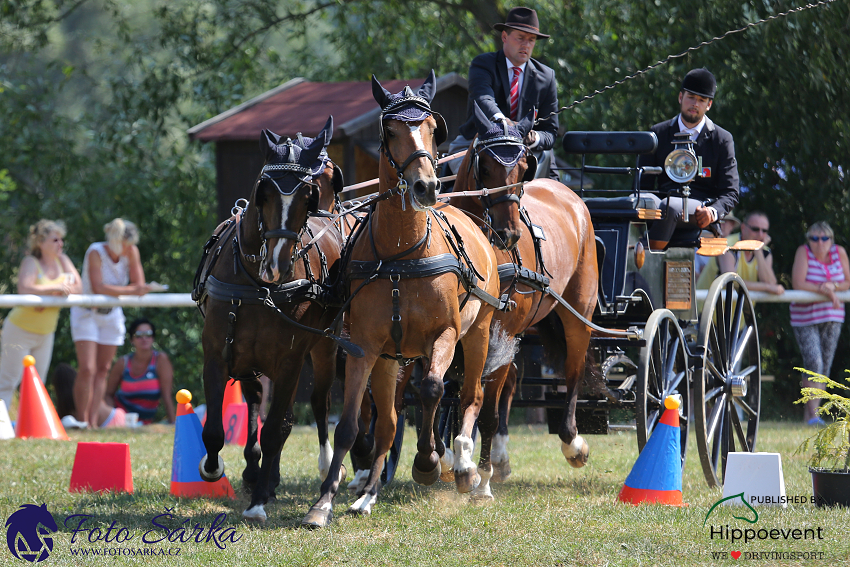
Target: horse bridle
pixel 480 146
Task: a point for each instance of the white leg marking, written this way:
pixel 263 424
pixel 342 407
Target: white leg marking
pixel 255 514
pixel 447 461
pixel 499 448
pixel 364 504
pixel 573 449
pixel 463 453
pixel 359 481
pixel 482 491
pixel 326 454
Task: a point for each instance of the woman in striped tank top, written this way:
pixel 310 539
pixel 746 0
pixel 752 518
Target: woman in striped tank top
pixel 139 380
pixel 820 266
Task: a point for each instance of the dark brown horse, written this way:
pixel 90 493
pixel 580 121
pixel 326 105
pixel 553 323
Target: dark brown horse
pixel 522 214
pixel 263 292
pixel 415 293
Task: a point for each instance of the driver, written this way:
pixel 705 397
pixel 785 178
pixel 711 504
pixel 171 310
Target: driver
pixel 509 83
pixel 714 191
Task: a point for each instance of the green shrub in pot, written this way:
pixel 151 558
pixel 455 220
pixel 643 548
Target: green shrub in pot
pixel 831 443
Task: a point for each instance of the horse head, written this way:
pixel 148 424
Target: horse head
pixel 499 159
pixel 410 134
pixel 295 181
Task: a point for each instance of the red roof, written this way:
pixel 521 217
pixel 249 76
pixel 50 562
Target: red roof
pixel 302 107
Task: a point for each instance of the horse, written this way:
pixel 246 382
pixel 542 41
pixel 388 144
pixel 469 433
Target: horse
pixel 421 277
pixel 545 242
pixel 265 287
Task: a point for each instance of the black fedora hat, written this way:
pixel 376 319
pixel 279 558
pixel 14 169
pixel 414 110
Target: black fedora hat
pixel 522 19
pixel 700 82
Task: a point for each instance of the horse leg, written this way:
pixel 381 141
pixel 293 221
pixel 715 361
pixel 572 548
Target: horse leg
pixel 363 450
pixel 356 372
pixel 275 432
pixel 252 389
pixel 383 380
pixel 577 335
pixel 323 356
pixel 499 454
pixel 475 346
pixel 211 466
pixel 488 423
pixel 426 463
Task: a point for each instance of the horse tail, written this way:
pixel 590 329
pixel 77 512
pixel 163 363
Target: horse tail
pixel 550 331
pixel 501 350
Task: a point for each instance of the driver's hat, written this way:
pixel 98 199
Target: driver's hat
pixel 700 82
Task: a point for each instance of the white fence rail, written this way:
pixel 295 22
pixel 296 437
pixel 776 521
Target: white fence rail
pixel 185 300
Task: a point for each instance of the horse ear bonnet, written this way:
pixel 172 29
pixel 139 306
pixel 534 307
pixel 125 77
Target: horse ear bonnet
pixel 408 106
pixel 500 140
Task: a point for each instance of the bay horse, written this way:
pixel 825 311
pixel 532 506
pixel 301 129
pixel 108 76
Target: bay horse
pixel 265 288
pixel 545 242
pixel 421 278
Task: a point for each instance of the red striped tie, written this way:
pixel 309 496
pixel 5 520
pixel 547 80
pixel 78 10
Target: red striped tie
pixel 515 92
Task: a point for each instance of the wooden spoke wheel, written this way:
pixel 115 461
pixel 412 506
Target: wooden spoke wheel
pixel 727 379
pixel 662 371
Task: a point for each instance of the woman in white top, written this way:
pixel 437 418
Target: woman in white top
pixel 110 268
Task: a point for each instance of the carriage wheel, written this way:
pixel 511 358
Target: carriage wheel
pixel 727 379
pixel 662 371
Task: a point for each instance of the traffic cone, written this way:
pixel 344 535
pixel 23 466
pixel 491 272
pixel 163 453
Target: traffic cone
pixel 232 395
pixel 102 467
pixel 656 476
pixel 6 430
pixel 188 450
pixel 36 414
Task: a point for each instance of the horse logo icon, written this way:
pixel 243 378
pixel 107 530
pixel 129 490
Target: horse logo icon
pixel 29 533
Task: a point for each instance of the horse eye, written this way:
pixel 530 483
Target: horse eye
pixel 390 133
pixel 485 170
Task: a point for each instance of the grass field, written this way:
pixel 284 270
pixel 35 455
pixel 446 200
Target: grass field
pixel 546 514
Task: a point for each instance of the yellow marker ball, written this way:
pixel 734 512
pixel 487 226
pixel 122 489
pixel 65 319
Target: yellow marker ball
pixel 29 360
pixel 184 396
pixel 671 402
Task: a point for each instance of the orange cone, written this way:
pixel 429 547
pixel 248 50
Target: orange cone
pixel 102 467
pixel 37 416
pixel 232 395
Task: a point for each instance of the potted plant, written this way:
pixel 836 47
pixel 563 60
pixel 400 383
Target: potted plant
pixel 830 462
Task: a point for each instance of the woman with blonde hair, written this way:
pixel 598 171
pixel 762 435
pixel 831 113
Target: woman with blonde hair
pixel 820 266
pixel 46 270
pixel 113 267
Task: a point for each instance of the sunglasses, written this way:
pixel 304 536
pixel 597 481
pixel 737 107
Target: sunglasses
pixel 139 334
pixel 757 228
pixel 821 238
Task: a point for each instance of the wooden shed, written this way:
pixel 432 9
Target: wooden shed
pixel 303 106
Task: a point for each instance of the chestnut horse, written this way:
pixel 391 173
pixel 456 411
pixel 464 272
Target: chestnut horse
pixel 545 243
pixel 264 295
pixel 422 277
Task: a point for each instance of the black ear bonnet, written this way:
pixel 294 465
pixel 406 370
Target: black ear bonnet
pixel 408 106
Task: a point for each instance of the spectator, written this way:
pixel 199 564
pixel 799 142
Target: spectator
pixel 140 379
pixel 820 266
pixel 46 270
pixel 755 268
pixel 110 268
pixel 706 266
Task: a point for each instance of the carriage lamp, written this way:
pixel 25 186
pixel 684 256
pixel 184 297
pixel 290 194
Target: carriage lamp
pixel 640 255
pixel 681 166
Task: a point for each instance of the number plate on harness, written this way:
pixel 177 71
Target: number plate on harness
pixel 678 285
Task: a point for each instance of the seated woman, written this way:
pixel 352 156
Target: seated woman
pixel 138 381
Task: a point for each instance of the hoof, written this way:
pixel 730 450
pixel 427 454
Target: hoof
pixel 255 514
pixel 317 518
pixel 426 478
pixel 467 481
pixel 576 452
pixel 216 474
pixel 343 473
pixel 501 471
pixel 447 464
pixel 481 498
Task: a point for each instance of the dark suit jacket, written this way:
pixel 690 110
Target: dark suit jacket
pixel 717 149
pixel 490 86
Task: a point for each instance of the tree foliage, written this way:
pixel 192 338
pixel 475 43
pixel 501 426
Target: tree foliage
pixel 97 95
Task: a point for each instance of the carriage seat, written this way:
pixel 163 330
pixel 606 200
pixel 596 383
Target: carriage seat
pixel 619 203
pixel 630 143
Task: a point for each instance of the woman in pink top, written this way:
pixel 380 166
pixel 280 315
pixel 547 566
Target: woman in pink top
pixel 820 266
